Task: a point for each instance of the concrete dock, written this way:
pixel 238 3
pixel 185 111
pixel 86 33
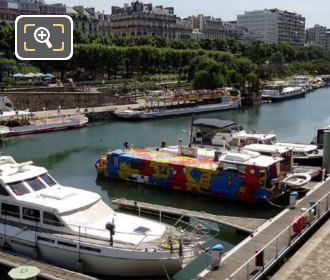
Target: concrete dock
pixel 311 261
pixel 274 239
pixel 47 271
pixel 247 225
pixel 93 113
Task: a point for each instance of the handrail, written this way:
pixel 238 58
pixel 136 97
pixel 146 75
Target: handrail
pixel 83 232
pixel 308 211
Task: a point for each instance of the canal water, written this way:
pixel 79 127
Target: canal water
pixel 70 155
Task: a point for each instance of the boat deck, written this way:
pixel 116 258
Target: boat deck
pixel 156 244
pixel 243 224
pixel 240 255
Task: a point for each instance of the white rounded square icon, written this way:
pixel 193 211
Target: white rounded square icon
pixel 44 37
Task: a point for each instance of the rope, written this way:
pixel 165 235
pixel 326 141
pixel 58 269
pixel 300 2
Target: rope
pixel 275 205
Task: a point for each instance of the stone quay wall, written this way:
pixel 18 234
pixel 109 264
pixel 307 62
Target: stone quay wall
pixel 36 101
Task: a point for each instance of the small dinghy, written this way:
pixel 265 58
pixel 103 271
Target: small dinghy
pixel 297 180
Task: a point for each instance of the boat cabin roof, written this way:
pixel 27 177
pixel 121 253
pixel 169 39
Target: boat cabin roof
pixel 15 114
pixel 216 123
pixel 269 149
pixel 258 136
pixel 204 158
pixel 297 147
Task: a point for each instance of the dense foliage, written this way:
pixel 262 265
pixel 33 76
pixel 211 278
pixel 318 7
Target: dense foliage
pixel 207 63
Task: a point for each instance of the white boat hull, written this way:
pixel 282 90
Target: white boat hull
pixel 110 261
pixel 177 112
pixel 65 123
pixel 298 180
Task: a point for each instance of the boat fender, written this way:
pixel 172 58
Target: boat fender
pixel 36 252
pixel 80 266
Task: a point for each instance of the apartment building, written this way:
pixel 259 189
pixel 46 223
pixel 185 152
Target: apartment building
pixel 275 26
pixel 11 9
pixel 216 28
pixel 89 21
pixel 139 19
pixel 316 36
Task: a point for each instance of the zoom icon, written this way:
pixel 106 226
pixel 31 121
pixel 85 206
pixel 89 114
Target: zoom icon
pixel 43 37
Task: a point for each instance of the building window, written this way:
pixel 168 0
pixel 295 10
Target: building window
pixel 10 210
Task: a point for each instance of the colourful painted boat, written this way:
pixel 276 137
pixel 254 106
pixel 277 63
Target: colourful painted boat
pixel 244 176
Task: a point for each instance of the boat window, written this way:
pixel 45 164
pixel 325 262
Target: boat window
pixel 46 239
pixel 51 219
pixel 31 214
pixel 3 191
pixel 162 170
pixel 36 184
pixel 48 180
pixel 90 249
pixel 116 162
pixel 67 244
pixel 136 165
pixel 10 210
pixel 230 167
pixel 18 188
pixel 241 169
pixel 312 152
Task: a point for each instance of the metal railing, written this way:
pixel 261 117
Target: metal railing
pixel 83 234
pixel 266 257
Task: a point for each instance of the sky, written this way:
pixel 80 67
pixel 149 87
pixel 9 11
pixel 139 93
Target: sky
pixel 315 12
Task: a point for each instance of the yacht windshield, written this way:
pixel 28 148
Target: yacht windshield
pixel 18 188
pixel 36 184
pixel 48 180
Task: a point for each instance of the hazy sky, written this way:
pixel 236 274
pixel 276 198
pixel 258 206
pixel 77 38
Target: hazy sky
pixel 316 12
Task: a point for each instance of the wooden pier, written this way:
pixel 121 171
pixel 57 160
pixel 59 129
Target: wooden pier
pixel 47 271
pixel 247 225
pixel 274 240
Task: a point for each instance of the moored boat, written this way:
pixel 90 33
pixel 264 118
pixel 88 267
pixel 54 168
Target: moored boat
pixel 275 95
pixel 179 103
pixel 33 125
pixel 75 229
pixel 228 135
pixel 297 180
pixel 14 122
pixel 244 176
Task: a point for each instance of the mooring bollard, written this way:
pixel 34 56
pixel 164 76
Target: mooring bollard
pixel 293 200
pixel 217 252
pixel 24 273
pixel 259 261
pixel 326 151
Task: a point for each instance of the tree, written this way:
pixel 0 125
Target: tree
pixel 207 74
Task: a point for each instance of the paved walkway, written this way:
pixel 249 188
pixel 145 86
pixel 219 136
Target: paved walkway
pixel 53 113
pixel 311 261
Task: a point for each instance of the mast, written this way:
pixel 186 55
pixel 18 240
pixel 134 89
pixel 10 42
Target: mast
pixel 191 130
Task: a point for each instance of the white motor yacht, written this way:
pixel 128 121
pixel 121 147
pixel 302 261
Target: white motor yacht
pixel 75 229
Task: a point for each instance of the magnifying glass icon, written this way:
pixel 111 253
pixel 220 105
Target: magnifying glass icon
pixel 42 35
